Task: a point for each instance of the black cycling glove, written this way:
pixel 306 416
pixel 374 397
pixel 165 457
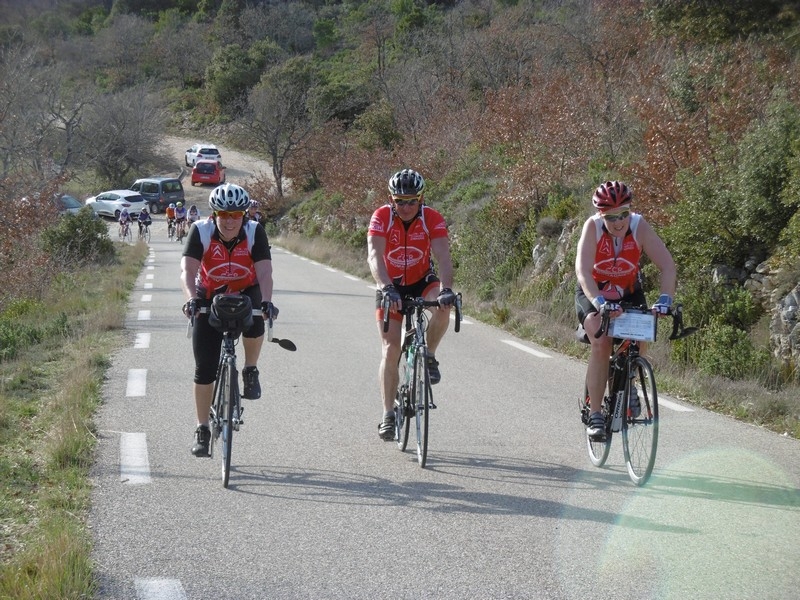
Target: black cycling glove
pixel 269 309
pixel 446 297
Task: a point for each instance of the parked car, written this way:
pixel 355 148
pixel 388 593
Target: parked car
pixel 66 204
pixel 202 152
pixel 159 192
pixel 208 171
pixel 111 203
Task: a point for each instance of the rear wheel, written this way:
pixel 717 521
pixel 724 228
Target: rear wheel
pixel 421 396
pixel 640 433
pixel 598 451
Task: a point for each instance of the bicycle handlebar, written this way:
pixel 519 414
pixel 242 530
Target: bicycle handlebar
pixel 676 312
pixel 257 312
pixel 411 304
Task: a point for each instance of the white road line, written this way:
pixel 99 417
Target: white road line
pixel 331 269
pixel 142 340
pixel 134 466
pixel 149 276
pixel 144 315
pixel 674 406
pixel 524 348
pixel 147 297
pixel 463 320
pixel 148 286
pixel 150 268
pixel 159 589
pixel 351 278
pixel 137 382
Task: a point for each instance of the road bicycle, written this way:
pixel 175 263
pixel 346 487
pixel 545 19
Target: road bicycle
pixel 170 229
pixel 630 373
pixel 414 397
pixel 125 232
pixel 181 231
pixel 230 314
pixel 144 232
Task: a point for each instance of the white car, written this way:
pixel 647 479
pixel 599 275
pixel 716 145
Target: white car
pixel 112 202
pixel 202 152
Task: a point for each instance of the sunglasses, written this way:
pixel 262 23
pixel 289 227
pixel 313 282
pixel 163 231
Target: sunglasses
pixel 230 214
pixel 617 217
pixel 405 202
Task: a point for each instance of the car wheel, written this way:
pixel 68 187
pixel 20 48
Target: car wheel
pixel 116 214
pixel 154 208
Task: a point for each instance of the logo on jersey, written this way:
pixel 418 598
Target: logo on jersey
pixel 402 258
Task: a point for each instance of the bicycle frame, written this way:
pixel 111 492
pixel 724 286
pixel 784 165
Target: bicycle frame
pixel 225 415
pixel 414 393
pixel 639 427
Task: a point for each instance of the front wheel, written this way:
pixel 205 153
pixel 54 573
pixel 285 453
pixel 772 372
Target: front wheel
pixel 640 432
pixel 225 404
pixel 402 405
pixel 421 396
pixel 146 234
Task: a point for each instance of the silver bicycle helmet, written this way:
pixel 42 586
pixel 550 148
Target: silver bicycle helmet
pixel 406 183
pixel 229 196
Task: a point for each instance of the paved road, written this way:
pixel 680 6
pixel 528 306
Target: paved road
pixel 509 506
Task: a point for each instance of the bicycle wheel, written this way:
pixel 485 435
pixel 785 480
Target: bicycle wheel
pixel 421 395
pixel 640 434
pixel 146 233
pixel 127 236
pixel 226 403
pixel 598 451
pixel 402 402
pixel 170 231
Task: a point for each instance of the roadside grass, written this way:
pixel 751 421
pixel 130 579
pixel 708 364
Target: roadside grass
pixel 551 323
pixel 49 393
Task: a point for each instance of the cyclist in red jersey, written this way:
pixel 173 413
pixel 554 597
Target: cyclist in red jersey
pixel 607 268
pixel 402 236
pixel 225 254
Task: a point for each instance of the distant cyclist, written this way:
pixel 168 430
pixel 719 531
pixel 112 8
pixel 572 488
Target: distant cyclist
pixel 124 221
pixel 180 218
pixel 403 233
pixel 170 212
pixel 143 219
pixel 193 214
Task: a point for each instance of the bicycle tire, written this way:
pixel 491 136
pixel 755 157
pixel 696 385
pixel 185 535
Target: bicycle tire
pixel 146 234
pixel 598 450
pixel 640 434
pixel 170 232
pixel 226 403
pixel 127 236
pixel 421 397
pixel 402 404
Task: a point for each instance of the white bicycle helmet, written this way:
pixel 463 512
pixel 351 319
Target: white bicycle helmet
pixel 229 196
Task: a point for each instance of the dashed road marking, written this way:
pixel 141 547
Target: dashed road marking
pixel 137 382
pixel 525 348
pixel 134 465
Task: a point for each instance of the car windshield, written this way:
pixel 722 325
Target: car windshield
pixel 69 202
pixel 212 151
pixel 205 168
pixel 172 186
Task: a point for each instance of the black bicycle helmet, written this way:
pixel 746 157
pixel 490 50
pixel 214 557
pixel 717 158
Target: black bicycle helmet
pixel 406 183
pixel 229 196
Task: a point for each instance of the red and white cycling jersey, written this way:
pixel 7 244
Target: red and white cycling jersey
pixel 616 266
pixel 408 248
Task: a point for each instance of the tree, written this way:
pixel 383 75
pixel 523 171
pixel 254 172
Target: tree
pixel 278 117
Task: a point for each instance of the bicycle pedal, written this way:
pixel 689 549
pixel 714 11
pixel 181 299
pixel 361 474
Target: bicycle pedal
pixel 431 406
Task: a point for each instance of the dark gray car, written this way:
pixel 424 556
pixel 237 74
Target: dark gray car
pixel 159 192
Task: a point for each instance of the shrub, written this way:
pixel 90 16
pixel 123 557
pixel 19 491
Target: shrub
pixel 78 239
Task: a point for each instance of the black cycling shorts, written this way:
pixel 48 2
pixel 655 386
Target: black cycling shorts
pixel 207 341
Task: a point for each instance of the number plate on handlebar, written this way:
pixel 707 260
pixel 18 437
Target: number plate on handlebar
pixel 634 326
